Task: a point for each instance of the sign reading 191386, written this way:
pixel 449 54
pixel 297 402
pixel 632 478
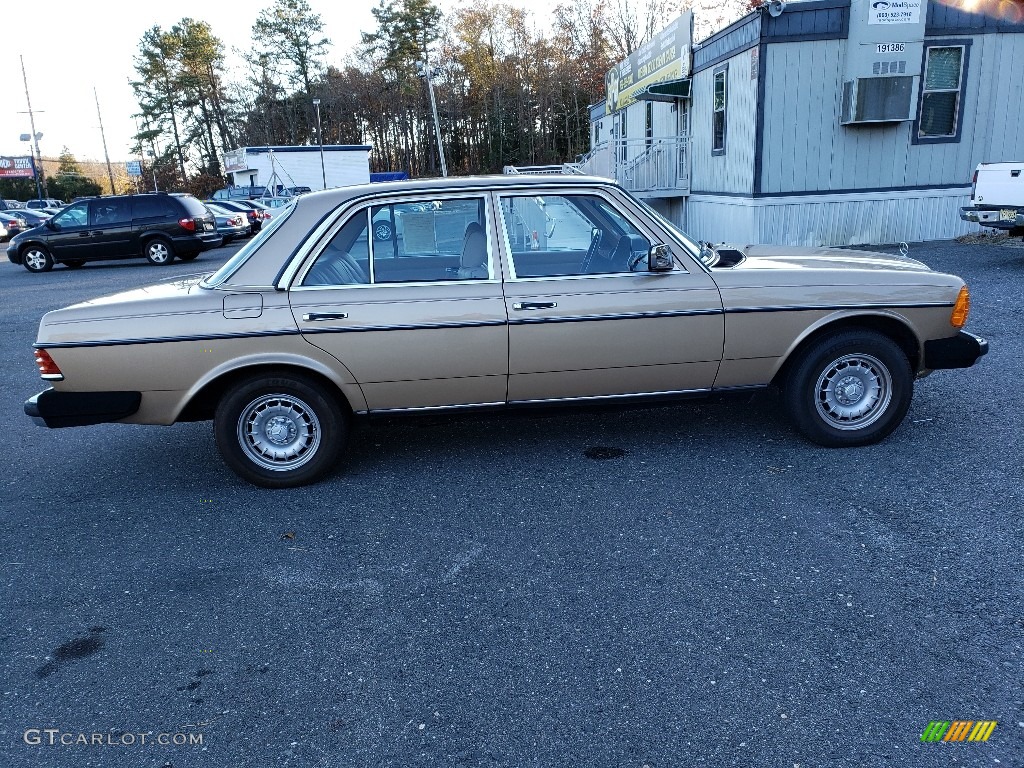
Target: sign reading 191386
pixel 891 48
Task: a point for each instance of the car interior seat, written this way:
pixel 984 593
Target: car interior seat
pixel 473 263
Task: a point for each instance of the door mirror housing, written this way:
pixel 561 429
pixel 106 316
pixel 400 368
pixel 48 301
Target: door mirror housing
pixel 51 224
pixel 659 259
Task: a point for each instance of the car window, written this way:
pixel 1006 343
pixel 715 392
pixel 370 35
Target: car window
pixel 346 259
pixel 430 240
pixel 151 207
pixel 75 216
pixel 192 205
pixel 563 235
pixel 110 211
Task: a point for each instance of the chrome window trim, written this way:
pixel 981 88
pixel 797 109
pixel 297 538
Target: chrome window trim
pixel 639 217
pixel 293 276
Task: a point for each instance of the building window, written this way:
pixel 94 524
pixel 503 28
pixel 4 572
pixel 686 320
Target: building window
pixel 718 115
pixel 649 123
pixel 597 133
pixel 942 93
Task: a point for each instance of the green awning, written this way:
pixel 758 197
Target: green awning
pixel 669 90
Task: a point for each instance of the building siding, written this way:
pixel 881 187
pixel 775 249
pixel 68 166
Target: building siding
pixel 733 171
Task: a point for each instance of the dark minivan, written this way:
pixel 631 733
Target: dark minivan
pixel 156 225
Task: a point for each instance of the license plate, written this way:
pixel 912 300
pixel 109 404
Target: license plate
pixel 1008 214
pixel 208 226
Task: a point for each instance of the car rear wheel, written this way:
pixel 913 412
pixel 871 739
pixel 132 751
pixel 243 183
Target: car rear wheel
pixel 37 259
pixel 851 388
pixel 74 263
pixel 158 252
pixel 280 431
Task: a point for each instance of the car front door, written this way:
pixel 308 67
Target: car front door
pixel 68 235
pixel 418 318
pixel 586 318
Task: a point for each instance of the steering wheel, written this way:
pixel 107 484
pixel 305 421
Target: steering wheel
pixel 595 241
pixel 635 258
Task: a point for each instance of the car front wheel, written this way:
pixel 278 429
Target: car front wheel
pixel 158 252
pixel 851 388
pixel 37 259
pixel 280 431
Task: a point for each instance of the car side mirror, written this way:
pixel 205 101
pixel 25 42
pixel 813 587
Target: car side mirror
pixel 51 224
pixel 659 259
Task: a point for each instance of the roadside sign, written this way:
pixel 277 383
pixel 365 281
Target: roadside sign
pixel 134 167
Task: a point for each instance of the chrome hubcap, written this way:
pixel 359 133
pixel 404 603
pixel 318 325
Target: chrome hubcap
pixel 279 432
pixel 853 392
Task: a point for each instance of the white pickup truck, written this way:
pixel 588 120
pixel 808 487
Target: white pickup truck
pixel 997 197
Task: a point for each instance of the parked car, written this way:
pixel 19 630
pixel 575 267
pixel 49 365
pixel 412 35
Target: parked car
pixel 157 226
pixel 296 191
pixel 997 197
pixel 11 205
pixel 275 204
pixel 230 224
pixel 260 207
pixel 46 202
pixel 9 226
pixel 254 217
pixel 239 193
pixel 30 217
pixel 314 321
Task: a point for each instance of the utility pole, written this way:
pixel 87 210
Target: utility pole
pixel 35 137
pixel 425 71
pixel 110 173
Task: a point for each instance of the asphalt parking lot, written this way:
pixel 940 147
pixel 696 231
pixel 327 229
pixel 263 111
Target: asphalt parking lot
pixel 714 591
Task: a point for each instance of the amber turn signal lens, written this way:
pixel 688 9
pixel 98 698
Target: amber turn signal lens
pixel 961 309
pixel 46 365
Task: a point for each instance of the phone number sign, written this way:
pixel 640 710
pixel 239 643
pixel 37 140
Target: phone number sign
pixel 894 12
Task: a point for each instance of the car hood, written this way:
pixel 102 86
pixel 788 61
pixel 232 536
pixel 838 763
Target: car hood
pixel 789 257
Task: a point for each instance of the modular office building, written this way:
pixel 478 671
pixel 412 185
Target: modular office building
pixel 825 122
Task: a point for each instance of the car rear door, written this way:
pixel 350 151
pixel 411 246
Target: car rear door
pixel 582 324
pixel 419 318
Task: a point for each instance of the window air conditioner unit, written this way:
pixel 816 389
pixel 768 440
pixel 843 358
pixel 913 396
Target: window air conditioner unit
pixel 876 100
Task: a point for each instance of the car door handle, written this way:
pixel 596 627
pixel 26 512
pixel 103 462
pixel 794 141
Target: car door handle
pixel 312 317
pixel 520 305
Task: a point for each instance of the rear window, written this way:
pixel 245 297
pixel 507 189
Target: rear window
pixel 192 205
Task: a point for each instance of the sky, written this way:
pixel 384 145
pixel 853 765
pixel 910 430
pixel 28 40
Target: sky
pixel 70 47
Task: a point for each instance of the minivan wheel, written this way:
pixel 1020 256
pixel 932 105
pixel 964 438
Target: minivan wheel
pixel 280 431
pixel 159 252
pixel 852 388
pixel 37 259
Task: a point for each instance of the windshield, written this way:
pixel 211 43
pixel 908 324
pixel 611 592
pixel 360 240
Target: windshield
pixel 695 248
pixel 246 251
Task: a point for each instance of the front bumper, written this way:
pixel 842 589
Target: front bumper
pixel 54 409
pixel 999 218
pixel 960 351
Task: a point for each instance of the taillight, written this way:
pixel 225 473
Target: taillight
pixel 189 224
pixel 961 309
pixel 266 215
pixel 974 182
pixel 47 368
pixel 253 215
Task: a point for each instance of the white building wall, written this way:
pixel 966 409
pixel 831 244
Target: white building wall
pixel 873 218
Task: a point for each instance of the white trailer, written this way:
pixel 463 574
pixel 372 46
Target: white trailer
pixel 337 165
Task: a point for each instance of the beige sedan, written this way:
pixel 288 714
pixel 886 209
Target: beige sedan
pixel 494 292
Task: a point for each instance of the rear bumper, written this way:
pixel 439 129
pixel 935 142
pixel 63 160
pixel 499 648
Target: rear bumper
pixel 960 351
pixel 1001 218
pixel 54 409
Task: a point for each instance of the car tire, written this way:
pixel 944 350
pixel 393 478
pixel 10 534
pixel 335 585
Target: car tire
pixel 851 388
pixel 188 256
pixel 74 263
pixel 37 259
pixel 158 251
pixel 286 414
pixel 383 231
